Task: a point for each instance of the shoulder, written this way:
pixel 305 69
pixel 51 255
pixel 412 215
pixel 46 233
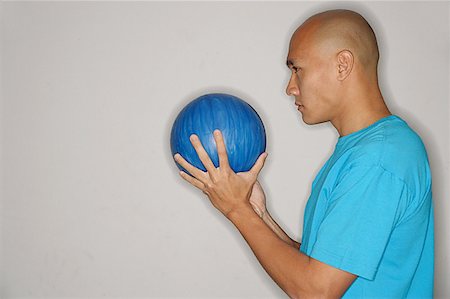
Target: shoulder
pixel 400 140
pixel 394 147
pixel 391 139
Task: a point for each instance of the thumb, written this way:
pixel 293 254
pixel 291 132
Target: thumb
pixel 259 164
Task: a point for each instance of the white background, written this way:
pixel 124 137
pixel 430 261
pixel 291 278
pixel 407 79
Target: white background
pixel 91 201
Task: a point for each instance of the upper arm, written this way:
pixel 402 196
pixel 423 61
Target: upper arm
pixel 350 241
pixel 360 218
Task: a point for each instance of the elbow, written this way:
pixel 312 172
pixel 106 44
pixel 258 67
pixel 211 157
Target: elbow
pixel 312 290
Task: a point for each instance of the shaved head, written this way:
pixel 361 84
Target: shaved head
pixel 333 58
pixel 337 30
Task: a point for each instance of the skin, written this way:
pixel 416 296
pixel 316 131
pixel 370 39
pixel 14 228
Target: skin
pixel 333 60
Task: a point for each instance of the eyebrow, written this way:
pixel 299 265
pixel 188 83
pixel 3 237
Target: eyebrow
pixel 290 63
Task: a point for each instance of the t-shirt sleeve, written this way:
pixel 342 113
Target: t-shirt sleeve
pixel 362 211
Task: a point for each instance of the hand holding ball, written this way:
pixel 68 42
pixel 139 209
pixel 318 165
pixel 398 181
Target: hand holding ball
pixel 241 127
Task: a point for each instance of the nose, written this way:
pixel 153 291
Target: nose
pixel 292 87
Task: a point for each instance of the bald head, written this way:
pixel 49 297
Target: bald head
pixel 333 31
pixel 333 58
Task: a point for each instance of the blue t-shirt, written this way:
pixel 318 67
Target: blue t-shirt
pixel 370 212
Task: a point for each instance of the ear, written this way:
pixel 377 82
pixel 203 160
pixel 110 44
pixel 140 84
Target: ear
pixel 345 62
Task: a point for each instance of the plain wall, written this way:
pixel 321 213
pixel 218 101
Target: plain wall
pixel 91 201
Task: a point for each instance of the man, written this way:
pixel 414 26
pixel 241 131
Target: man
pixel 368 223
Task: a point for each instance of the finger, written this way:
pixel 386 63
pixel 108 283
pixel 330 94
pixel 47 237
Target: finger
pixel 193 181
pixel 197 173
pixel 221 149
pixel 259 164
pixel 202 154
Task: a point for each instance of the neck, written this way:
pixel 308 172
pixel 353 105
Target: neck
pixel 361 112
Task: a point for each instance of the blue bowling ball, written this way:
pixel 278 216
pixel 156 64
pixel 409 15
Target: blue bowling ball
pixel 242 130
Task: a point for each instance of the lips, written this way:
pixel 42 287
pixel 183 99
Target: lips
pixel 300 107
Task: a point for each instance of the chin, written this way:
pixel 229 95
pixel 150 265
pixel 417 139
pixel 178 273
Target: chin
pixel 308 120
pixel 312 121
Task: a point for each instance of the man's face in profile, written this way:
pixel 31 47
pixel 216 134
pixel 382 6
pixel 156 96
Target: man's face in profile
pixel 312 83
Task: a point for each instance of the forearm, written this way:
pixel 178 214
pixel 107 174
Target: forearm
pixel 287 266
pixel 278 230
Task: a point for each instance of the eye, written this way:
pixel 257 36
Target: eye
pixel 296 69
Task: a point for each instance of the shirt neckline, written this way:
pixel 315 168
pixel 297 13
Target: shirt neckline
pixel 381 120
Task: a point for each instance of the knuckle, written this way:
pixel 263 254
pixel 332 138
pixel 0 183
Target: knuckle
pixel 226 175
pixel 215 179
pixel 227 172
